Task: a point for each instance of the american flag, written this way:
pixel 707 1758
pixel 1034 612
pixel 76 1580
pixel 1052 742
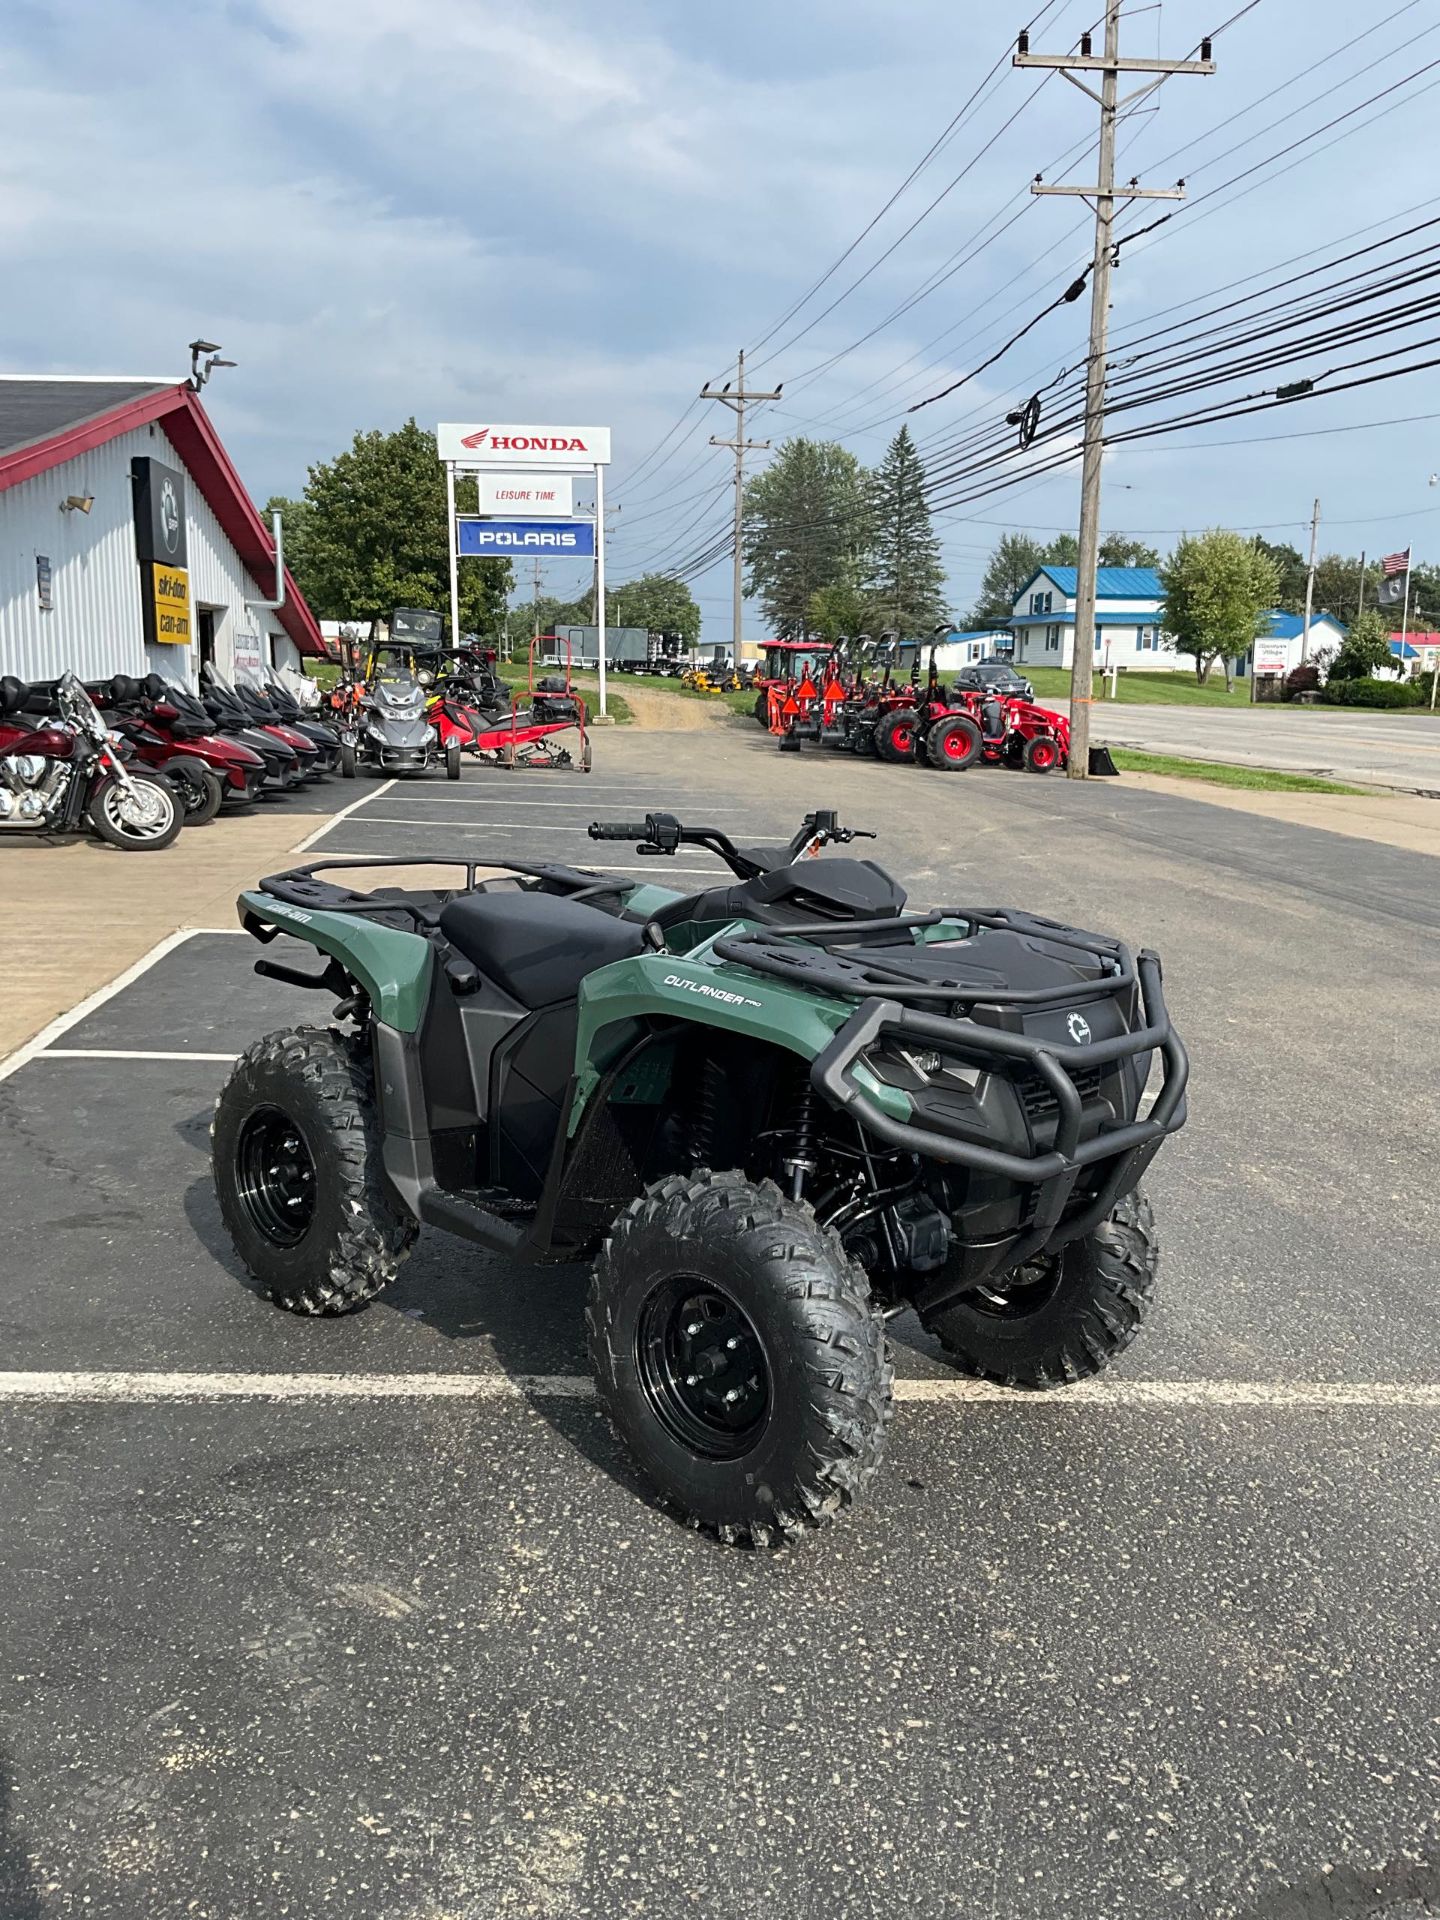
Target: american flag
pixel 1394 563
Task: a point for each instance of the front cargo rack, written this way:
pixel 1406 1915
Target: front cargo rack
pixel 889 979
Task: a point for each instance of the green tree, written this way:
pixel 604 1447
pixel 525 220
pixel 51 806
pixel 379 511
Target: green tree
pixel 653 601
pixel 1218 587
pixel 1290 574
pixel 806 527
pixel 904 578
pixel 1119 550
pixel 1016 558
pixel 1337 585
pixel 838 611
pixel 1365 648
pixel 370 536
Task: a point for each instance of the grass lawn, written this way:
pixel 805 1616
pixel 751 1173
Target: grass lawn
pixel 1144 689
pixel 1221 774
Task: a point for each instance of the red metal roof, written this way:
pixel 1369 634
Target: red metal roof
pixel 187 426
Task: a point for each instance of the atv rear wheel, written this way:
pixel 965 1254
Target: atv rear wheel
pixel 1066 1315
pixel 737 1353
pixel 954 744
pixel 895 735
pixel 296 1149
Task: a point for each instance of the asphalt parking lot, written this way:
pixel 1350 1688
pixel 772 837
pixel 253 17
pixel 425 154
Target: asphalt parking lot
pixel 372 1616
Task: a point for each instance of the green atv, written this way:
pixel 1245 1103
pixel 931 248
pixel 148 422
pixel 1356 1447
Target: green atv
pixel 772 1113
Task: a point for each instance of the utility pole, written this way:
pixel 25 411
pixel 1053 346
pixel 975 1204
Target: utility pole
pixel 1360 597
pixel 1310 585
pixel 535 633
pixel 737 398
pixel 1103 197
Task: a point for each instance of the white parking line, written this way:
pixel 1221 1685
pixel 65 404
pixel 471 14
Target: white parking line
pixel 63 1022
pixel 334 819
pixel 1120 1394
pixel 481 826
pixel 649 867
pixel 125 1053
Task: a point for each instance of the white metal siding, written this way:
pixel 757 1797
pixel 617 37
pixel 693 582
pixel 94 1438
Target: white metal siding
pixel 96 625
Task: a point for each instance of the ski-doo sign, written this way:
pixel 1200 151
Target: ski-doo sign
pixel 482 445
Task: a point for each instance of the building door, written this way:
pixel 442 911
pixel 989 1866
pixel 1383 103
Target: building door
pixel 205 634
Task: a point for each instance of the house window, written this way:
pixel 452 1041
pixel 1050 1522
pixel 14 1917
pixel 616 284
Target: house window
pixel 1145 639
pixel 1052 639
pixel 1049 603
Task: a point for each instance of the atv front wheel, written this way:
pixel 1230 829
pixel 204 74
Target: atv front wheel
pixel 347 759
pixel 296 1150
pixel 452 760
pixel 1064 1316
pixel 737 1353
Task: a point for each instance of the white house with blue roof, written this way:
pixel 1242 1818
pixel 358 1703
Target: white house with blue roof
pixel 1127 619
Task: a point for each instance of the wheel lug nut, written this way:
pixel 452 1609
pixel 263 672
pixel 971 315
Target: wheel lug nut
pixel 733 1342
pixel 692 1379
pixel 695 1326
pixel 732 1396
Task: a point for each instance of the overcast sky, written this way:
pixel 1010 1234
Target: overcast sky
pixel 570 213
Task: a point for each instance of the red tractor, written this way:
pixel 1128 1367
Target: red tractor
pixel 785 665
pixel 955 728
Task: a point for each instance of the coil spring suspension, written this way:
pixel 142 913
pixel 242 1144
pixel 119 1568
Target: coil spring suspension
pixel 705 1120
pixel 800 1160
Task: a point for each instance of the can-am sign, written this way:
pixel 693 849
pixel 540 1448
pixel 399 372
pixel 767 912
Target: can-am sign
pixel 484 445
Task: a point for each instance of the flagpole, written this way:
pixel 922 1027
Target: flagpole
pixel 1405 610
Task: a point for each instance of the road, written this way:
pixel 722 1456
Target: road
pixel 1383 749
pixel 373 1617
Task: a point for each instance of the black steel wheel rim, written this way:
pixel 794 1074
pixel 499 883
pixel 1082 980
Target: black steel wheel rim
pixel 275 1176
pixel 702 1367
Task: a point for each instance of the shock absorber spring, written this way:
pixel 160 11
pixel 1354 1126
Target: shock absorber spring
pixel 705 1119
pixel 800 1159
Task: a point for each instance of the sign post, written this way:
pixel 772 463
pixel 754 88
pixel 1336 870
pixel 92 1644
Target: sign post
pixel 506 460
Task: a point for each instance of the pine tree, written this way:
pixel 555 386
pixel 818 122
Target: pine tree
pixel 905 578
pixel 806 525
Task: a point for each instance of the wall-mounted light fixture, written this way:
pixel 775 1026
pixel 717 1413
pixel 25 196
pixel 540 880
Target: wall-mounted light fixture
pixel 77 503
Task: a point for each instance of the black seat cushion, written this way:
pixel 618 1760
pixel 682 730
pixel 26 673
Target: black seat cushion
pixel 535 946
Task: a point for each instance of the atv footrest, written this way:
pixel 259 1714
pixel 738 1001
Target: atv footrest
pixel 459 1214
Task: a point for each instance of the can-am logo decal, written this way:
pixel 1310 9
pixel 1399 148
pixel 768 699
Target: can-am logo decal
pixel 1079 1029
pixel 170 517
pixel 709 993
pixel 522 443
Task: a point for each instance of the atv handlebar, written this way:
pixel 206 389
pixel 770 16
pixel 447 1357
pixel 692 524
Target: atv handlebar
pixel 661 833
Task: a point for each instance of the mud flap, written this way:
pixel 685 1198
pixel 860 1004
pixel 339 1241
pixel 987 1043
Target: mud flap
pixel 1101 762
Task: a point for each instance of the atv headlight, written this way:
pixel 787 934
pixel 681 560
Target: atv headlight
pixel 432 733
pixel 913 1068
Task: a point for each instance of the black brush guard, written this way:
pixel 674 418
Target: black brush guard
pixel 886 988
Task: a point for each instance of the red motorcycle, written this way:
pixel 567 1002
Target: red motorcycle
pixel 61 771
pixel 171 733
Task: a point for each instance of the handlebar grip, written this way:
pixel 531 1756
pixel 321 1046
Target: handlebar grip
pixel 619 830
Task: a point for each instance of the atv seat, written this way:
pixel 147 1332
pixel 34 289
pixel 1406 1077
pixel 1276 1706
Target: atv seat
pixel 534 946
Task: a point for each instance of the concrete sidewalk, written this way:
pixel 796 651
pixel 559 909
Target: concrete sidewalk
pixel 77 913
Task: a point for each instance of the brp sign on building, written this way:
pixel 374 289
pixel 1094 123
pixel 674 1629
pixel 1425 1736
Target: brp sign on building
pixel 468 447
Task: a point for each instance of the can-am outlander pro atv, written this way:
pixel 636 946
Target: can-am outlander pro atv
pixel 771 1112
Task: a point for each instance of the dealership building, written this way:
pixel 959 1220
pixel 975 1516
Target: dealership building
pixel 127 541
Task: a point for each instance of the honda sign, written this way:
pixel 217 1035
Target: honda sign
pixel 462 445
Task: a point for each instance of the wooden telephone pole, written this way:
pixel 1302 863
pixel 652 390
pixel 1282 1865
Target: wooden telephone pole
pixel 1103 196
pixel 736 398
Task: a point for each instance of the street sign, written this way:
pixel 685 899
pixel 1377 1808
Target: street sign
pixel 469 447
pixel 527 494
pixel 540 539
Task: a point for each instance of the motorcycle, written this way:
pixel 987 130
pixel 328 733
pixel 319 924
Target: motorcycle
pixel 61 771
pixel 298 757
pixel 172 734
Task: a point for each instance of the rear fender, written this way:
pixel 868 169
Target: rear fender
pixel 393 967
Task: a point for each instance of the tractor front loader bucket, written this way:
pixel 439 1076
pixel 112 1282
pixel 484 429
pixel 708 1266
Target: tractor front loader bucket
pixel 1101 762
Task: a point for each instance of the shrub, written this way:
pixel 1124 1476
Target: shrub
pixel 1374 693
pixel 1299 680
